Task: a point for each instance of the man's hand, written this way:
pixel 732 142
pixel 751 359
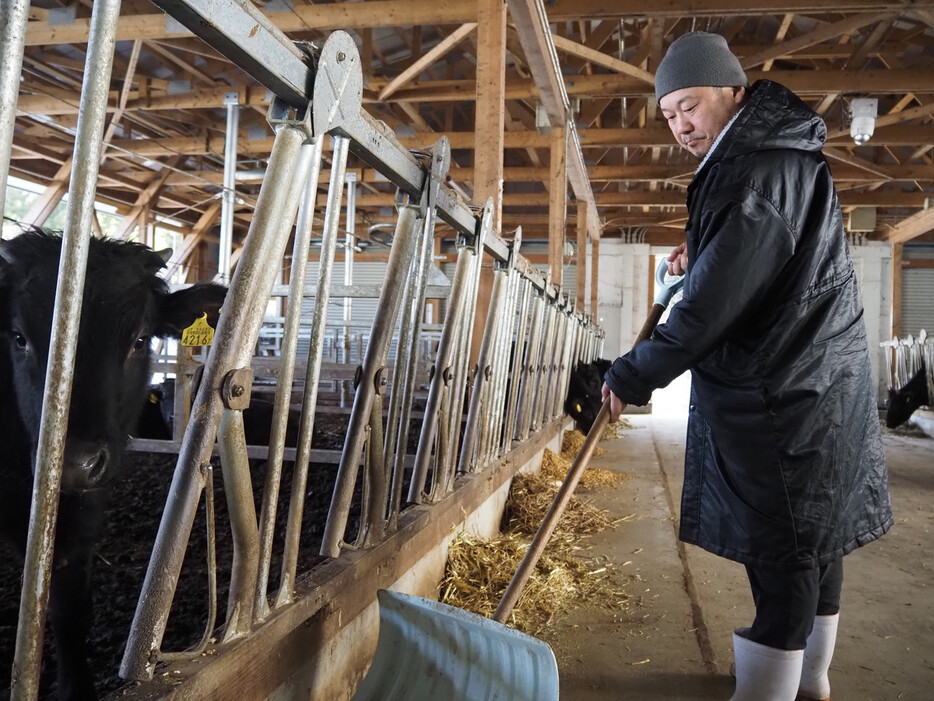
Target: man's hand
pixel 678 260
pixel 616 406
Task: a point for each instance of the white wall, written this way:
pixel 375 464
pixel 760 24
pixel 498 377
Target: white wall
pixel 622 293
pixel 873 265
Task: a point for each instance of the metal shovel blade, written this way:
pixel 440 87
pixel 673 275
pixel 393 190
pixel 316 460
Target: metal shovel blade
pixel 428 651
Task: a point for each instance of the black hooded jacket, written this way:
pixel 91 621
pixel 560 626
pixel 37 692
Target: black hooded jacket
pixel 784 461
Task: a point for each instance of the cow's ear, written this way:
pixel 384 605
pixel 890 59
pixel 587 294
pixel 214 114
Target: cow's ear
pixel 180 309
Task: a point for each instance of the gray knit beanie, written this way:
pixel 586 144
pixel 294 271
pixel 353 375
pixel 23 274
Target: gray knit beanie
pixel 698 59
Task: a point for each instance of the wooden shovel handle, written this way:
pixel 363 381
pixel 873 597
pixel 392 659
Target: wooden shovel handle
pixel 563 497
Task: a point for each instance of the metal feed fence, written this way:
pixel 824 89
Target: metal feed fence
pixel 532 337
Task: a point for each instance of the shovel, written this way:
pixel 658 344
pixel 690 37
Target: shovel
pixel 427 650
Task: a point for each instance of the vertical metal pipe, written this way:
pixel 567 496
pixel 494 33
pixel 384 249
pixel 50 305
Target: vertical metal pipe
pixel 407 358
pixel 283 397
pixel 543 369
pixel 565 356
pixel 235 338
pixel 236 470
pixel 407 355
pixel 313 369
pixel 530 367
pixel 66 319
pixel 461 371
pixel 400 258
pixel 349 242
pixel 14 15
pixel 515 379
pixel 229 197
pixel 460 289
pixel 501 371
pixel 555 378
pixel 493 411
pixel 469 446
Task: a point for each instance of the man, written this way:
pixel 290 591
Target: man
pixel 784 469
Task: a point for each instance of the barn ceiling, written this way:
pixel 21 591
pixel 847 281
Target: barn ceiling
pixel 164 157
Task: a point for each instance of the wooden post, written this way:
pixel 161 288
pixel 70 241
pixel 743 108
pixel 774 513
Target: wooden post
pixel 581 255
pixel 488 145
pixel 557 203
pixel 594 270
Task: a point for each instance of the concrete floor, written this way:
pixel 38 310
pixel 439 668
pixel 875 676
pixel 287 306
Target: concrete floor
pixel 673 640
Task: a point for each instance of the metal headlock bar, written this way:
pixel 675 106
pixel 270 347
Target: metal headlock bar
pixel 66 316
pixel 532 335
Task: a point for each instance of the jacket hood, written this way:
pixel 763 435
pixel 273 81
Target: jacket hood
pixel 772 118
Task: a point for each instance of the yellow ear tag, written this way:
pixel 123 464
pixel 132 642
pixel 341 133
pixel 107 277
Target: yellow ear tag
pixel 199 333
pixel 153 398
pixel 579 408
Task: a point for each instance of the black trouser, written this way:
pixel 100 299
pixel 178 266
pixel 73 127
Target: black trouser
pixel 788 600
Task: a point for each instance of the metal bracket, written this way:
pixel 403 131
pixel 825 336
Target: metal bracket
pixel 236 389
pixel 280 115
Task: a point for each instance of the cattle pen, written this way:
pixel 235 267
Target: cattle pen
pixel 314 632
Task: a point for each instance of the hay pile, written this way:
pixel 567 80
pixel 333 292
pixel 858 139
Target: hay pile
pixel 557 466
pixel 615 430
pixel 479 571
pixel 531 496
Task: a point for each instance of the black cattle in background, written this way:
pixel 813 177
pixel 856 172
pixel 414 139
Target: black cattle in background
pixel 152 423
pixel 903 402
pixel 584 398
pixel 159 415
pixel 125 306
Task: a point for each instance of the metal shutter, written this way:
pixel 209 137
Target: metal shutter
pixel 917 293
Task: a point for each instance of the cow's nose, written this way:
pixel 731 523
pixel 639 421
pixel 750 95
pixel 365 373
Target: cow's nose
pixel 85 468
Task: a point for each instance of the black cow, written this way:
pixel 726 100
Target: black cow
pixel 151 423
pixel 584 398
pixel 125 305
pixel 257 417
pixel 903 402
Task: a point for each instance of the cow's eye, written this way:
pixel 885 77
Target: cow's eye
pixel 141 344
pixel 20 340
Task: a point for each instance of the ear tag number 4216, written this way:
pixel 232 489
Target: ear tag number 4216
pixel 199 333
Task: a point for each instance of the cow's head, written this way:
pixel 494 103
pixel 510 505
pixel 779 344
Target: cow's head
pixel 902 402
pixel 125 305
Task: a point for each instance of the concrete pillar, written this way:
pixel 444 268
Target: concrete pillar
pixel 873 265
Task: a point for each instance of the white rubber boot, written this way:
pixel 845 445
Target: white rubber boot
pixel 765 673
pixel 815 686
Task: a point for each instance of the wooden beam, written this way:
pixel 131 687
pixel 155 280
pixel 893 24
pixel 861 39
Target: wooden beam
pixel 395 13
pixel 537 41
pixel 649 136
pixel 43 207
pixel 531 24
pixel 594 276
pixel 490 117
pixel 581 256
pixel 427 59
pixel 815 83
pixel 601 59
pixel 557 204
pixel 819 35
pixel 673 200
pixel 190 243
pixel 146 198
pixel 385 13
pixel 570 10
pixel 912 227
